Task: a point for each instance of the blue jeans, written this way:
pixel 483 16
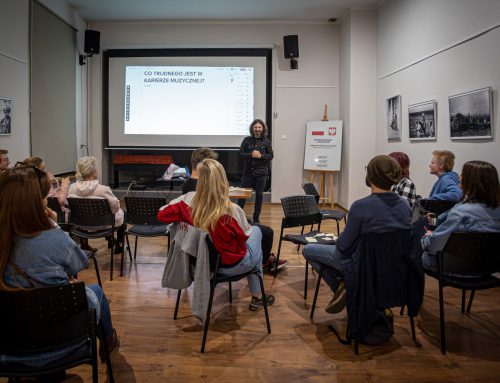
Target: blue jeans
pixel 326 258
pixel 252 259
pixel 104 311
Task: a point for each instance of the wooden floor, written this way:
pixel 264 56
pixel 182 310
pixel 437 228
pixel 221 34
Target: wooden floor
pixel 156 348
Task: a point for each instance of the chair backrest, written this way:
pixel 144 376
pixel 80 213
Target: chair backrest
pixel 471 252
pixel 310 189
pixel 42 319
pixel 143 210
pixel 53 203
pixel 300 210
pixel 91 212
pixel 436 206
pixel 214 256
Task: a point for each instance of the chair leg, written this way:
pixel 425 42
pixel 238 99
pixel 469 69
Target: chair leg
pixel 402 310
pixel 263 293
pixel 96 270
pixel 230 293
pixel 463 301
pixel 338 227
pixel 471 298
pixel 112 260
pixel 301 232
pixel 177 303
pixel 316 294
pixel 278 255
pixel 306 280
pixel 135 247
pixel 207 319
pixel 412 325
pixel 441 318
pixel 356 347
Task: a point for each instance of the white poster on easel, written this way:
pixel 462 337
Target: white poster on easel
pixel 323 145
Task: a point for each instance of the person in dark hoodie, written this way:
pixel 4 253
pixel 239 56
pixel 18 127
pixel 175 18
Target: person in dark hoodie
pixel 381 212
pixel 256 151
pixel 446 187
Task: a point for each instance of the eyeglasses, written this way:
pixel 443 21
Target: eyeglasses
pixel 39 173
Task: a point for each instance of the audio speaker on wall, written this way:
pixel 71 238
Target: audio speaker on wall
pixel 291 46
pixel 92 41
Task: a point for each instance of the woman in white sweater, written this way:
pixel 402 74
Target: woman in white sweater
pixel 88 186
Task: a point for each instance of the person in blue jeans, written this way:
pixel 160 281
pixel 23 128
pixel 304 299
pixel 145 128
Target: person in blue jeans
pixel 35 252
pixel 381 212
pixel 479 210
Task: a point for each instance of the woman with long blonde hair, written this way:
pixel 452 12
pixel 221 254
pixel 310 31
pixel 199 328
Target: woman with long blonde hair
pixel 210 209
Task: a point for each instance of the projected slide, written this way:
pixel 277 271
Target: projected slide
pixel 188 100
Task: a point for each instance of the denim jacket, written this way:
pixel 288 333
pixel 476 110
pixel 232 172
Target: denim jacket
pixel 48 258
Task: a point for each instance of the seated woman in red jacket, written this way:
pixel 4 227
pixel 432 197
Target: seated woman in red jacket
pixel 210 209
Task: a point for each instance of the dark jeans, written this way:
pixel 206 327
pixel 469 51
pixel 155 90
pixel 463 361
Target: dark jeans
pixel 257 183
pixel 267 242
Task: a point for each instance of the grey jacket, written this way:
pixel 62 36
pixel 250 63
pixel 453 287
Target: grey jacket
pixel 188 241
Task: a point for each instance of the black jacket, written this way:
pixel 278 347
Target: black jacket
pixel 256 166
pixel 386 272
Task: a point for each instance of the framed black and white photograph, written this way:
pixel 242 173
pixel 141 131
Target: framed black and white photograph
pixel 5 119
pixel 470 115
pixel 394 118
pixel 422 121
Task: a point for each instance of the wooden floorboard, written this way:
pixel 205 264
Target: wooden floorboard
pixel 156 348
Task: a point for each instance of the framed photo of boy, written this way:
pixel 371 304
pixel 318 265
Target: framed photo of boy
pixel 5 119
pixel 422 121
pixel 470 115
pixel 394 118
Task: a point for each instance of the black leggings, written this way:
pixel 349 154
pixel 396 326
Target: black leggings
pixel 267 241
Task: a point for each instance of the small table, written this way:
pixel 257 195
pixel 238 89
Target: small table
pixel 238 193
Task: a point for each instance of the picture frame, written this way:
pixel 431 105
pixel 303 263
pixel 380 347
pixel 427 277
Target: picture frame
pixel 393 112
pixel 470 115
pixel 5 116
pixel 422 121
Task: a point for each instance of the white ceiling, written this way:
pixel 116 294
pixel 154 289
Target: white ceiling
pixel 200 10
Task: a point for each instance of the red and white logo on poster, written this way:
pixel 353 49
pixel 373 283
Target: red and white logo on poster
pixel 332 131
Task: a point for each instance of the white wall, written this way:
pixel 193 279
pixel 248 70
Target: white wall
pixel 14 74
pixel 299 95
pixel 467 66
pixel 358 90
pixel 15 71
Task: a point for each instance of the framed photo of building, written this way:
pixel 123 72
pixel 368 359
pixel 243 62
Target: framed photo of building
pixel 5 119
pixel 470 115
pixel 394 118
pixel 422 121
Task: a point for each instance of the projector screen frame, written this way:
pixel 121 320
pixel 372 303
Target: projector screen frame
pixel 183 52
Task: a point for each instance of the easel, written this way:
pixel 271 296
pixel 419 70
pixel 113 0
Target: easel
pixel 322 175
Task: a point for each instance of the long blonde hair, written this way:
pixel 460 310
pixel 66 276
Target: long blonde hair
pixel 211 200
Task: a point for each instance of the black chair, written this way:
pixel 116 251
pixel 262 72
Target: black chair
pixel 470 254
pixel 214 281
pixel 383 257
pixel 41 320
pixel 53 203
pixel 435 206
pixel 141 214
pixel 93 218
pixel 299 211
pixel 335 214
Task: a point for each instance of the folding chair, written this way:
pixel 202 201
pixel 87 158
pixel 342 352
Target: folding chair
pixel 141 214
pixel 473 255
pixel 214 281
pixel 48 319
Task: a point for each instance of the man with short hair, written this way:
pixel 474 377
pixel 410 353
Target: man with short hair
pixel 381 212
pixel 4 160
pixel 446 187
pixel 196 157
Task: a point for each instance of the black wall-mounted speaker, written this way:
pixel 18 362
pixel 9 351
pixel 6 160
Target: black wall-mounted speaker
pixel 291 46
pixel 92 41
